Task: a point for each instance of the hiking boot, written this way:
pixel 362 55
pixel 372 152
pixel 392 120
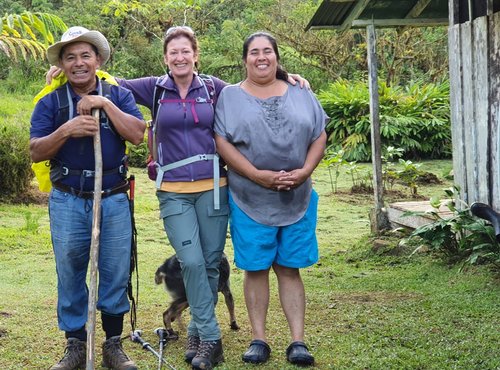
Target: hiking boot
pixel 193 343
pixel 114 357
pixel 209 355
pixel 75 356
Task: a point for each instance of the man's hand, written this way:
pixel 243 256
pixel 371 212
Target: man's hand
pixel 89 102
pixel 80 126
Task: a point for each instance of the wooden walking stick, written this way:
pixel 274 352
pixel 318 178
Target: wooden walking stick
pixel 94 245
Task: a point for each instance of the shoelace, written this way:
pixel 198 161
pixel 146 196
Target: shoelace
pixel 116 353
pixel 193 342
pixel 72 353
pixel 205 348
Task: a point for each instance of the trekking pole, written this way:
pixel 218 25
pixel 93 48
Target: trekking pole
pixel 135 336
pixel 94 245
pixel 133 258
pixel 162 340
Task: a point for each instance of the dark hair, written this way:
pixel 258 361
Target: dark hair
pixel 61 52
pixel 281 73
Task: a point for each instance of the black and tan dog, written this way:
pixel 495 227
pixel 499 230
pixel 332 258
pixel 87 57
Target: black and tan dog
pixel 169 273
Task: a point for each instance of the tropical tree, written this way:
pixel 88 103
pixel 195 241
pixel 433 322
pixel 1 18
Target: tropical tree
pixel 29 34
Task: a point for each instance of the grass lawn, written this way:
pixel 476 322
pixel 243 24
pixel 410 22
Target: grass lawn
pixel 365 309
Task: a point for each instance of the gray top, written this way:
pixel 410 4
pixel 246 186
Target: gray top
pixel 273 134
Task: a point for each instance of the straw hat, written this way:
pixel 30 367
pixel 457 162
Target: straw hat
pixel 80 34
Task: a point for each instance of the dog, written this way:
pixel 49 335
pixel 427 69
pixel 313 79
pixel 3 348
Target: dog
pixel 169 273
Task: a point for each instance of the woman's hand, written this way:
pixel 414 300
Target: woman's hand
pixel 294 78
pixel 52 73
pixel 292 179
pixel 274 180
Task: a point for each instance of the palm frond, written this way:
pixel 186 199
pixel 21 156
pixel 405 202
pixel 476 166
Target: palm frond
pixel 29 33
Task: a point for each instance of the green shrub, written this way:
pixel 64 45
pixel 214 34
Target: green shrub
pixel 138 155
pixel 15 162
pixel 416 119
pixel 23 77
pixel 459 237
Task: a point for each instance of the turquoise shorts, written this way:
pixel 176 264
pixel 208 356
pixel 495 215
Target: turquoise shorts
pixel 257 246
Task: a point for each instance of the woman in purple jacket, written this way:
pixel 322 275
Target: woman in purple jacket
pixel 192 191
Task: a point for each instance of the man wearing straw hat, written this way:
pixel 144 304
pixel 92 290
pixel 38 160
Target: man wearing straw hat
pixel 62 130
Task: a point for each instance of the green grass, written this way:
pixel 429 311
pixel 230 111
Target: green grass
pixel 365 310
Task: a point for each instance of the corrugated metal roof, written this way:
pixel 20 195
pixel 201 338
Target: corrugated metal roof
pixel 344 14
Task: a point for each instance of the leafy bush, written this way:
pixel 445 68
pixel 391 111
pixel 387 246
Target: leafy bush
pixel 459 237
pixel 15 163
pixel 138 155
pixel 23 77
pixel 416 119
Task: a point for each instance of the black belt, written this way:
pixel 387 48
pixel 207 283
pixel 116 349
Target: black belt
pixel 121 188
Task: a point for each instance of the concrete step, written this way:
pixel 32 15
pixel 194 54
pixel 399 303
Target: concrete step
pixel 395 213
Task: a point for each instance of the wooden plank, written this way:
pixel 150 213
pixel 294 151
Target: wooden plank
pixel 355 12
pixel 494 103
pixel 378 188
pixel 468 111
pixel 456 103
pixel 481 106
pixel 418 8
pixel 489 7
pixel 453 12
pixel 415 22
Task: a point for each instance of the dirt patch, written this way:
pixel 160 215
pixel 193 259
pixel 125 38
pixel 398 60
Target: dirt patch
pixel 359 198
pixel 31 196
pixel 3 333
pixel 5 314
pixel 428 178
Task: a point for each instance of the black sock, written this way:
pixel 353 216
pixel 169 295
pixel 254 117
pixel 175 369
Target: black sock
pixel 80 334
pixel 112 324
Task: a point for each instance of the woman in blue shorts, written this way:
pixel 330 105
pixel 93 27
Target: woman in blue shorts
pixel 272 137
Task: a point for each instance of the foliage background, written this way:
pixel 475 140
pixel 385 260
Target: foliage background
pixel 135 29
pixel 334 63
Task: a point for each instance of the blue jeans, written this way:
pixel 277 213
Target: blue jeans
pixel 71 231
pixel 197 232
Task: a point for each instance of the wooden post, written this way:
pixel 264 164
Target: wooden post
pixel 94 246
pixel 378 217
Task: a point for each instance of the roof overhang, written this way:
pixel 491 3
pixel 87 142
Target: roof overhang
pixel 345 14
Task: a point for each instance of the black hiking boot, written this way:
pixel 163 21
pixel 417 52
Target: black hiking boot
pixel 209 355
pixel 193 342
pixel 75 356
pixel 114 357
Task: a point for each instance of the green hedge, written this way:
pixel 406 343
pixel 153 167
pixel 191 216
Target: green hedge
pixel 15 163
pixel 416 119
